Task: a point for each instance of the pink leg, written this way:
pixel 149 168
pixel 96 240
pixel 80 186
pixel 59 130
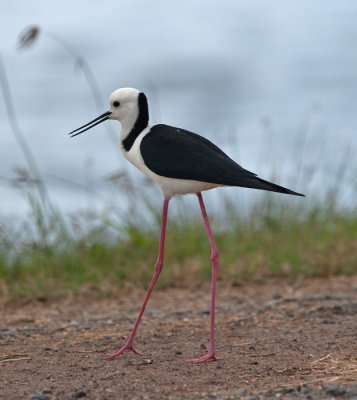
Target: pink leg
pixel 158 267
pixel 214 257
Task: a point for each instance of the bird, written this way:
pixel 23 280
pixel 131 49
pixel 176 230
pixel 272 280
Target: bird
pixel 180 162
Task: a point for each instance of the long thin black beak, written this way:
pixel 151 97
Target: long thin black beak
pixel 90 124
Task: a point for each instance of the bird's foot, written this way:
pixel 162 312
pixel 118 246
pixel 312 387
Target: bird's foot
pixel 128 346
pixel 209 356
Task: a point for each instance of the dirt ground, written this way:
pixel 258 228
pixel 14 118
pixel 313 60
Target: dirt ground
pixel 274 340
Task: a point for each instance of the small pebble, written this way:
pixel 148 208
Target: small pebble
pixel 78 395
pixel 288 389
pixel 333 389
pixel 41 397
pixel 270 393
pixel 154 310
pixel 240 392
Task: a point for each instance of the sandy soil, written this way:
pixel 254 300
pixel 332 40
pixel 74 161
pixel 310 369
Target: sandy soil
pixel 275 340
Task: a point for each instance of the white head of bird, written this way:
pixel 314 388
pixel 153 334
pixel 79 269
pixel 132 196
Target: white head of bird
pixel 125 104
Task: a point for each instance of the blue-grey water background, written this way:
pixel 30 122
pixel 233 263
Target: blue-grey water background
pixel 273 83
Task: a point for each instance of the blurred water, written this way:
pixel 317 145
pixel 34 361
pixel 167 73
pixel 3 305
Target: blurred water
pixel 258 78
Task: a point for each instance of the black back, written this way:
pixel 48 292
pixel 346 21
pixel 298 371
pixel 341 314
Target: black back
pixel 177 153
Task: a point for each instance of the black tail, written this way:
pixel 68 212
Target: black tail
pixel 257 183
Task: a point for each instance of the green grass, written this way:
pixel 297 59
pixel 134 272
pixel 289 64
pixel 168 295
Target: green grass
pixel 320 244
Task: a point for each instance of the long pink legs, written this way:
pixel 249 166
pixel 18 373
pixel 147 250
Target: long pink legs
pixel 214 257
pixel 158 267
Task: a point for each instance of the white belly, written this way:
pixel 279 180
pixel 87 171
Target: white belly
pixel 169 186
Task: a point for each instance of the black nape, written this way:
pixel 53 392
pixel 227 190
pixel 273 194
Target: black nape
pixel 140 124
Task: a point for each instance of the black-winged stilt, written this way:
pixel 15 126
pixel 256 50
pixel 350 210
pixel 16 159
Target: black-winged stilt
pixel 180 162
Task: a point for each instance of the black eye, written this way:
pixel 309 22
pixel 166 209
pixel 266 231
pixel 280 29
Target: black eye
pixel 116 103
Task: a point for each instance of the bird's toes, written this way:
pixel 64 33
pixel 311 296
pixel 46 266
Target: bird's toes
pixel 128 346
pixel 202 359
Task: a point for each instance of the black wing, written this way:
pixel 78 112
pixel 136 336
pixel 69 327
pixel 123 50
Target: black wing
pixel 177 153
